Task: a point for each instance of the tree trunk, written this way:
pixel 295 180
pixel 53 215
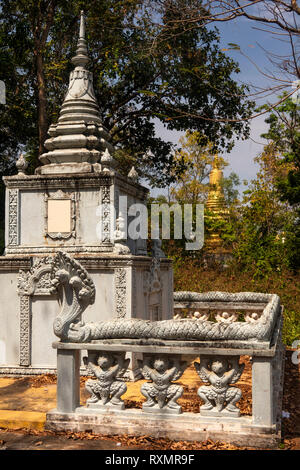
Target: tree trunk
pixel 40 33
pixel 42 102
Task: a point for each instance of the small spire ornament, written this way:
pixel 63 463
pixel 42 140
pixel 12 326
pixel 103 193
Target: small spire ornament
pixel 22 165
pixel 107 161
pixel 81 59
pixel 133 174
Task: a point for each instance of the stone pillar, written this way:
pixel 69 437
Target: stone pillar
pixel 262 391
pixel 68 380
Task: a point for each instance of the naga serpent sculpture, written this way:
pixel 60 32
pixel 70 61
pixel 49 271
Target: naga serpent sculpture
pixel 77 291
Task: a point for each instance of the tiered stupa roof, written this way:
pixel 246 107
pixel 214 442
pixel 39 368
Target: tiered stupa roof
pixel 79 139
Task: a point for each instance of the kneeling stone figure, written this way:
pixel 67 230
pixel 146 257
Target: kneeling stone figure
pixel 161 394
pixel 219 397
pixel 107 389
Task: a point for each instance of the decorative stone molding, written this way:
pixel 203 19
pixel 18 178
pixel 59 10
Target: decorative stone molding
pixel 27 370
pixel 10 264
pixel 61 196
pixel 13 217
pixel 107 390
pixel 133 292
pixel 224 310
pixel 72 249
pixel 25 331
pixel 106 214
pixel 36 281
pixel 161 393
pixel 120 292
pixel 220 372
pixel 66 182
pixel 131 188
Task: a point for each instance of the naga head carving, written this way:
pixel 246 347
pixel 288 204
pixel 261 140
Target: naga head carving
pixel 76 292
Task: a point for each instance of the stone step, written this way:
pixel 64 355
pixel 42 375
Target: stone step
pixel 12 419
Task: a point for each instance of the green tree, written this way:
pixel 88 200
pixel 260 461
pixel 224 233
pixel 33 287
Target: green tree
pixel 196 159
pixel 284 132
pixel 133 83
pixel 265 230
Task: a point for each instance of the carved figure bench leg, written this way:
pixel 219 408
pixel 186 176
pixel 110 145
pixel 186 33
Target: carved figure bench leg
pixel 106 388
pixel 68 380
pixel 219 372
pixel 161 393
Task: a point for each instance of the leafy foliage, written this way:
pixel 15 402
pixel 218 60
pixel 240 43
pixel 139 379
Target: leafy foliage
pixel 284 132
pixel 182 78
pixel 192 276
pixel 265 225
pixel 196 160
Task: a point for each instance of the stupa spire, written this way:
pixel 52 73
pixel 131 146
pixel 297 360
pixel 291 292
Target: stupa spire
pixel 79 139
pixel 81 58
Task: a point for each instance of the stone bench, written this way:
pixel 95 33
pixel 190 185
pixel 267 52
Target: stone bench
pixel 166 348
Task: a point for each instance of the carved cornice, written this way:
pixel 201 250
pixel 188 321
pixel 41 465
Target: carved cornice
pixel 74 249
pixel 91 262
pixel 131 188
pixel 76 181
pixel 71 181
pixel 14 264
pixel 108 262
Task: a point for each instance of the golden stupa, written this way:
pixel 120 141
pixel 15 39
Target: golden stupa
pixel 215 204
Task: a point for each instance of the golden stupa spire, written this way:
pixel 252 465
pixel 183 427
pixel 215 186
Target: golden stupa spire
pixel 215 203
pixel 215 200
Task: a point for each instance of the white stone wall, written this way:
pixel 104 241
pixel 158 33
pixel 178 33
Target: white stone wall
pixel 9 319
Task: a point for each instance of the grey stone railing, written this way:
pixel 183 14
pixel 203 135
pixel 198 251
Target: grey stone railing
pixel 164 350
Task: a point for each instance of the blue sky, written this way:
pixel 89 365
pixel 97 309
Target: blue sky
pixel 245 34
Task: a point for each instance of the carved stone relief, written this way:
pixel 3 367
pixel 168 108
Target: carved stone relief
pixel 25 331
pixel 13 217
pixel 36 281
pixel 120 292
pixel 106 214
